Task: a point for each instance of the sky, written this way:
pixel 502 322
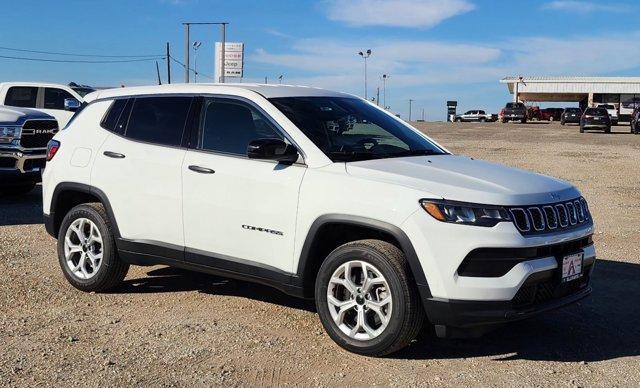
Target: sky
pixel 432 50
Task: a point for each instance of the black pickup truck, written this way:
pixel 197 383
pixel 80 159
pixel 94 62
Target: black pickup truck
pixel 24 134
pixel 515 111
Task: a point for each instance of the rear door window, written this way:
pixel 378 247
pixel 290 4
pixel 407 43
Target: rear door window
pixel 116 118
pixel 22 96
pixel 159 120
pixel 54 98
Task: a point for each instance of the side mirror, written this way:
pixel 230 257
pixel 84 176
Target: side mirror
pixel 71 104
pixel 272 149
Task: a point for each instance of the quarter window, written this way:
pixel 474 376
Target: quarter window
pixel 228 126
pixel 158 120
pixel 115 120
pixel 54 98
pixel 22 96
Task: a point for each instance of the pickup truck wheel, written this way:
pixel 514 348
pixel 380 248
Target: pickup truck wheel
pixel 18 189
pixel 366 298
pixel 482 119
pixel 581 129
pixel 87 250
pixel 562 122
pixel 607 129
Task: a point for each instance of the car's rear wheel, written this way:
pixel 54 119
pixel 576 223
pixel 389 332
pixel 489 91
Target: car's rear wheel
pixel 607 129
pixel 87 250
pixel 366 298
pixel 482 119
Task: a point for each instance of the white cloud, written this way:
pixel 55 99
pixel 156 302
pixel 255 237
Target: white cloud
pixel 585 6
pixel 396 13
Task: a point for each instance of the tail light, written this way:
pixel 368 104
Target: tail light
pixel 52 148
pixel 588 116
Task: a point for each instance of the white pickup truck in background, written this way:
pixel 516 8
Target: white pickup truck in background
pixel 45 97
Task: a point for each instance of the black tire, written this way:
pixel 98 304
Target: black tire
pixel 482 119
pixel 407 315
pixel 581 129
pixel 458 120
pixel 607 129
pixel 562 122
pixel 112 270
pixel 21 189
pixel 523 121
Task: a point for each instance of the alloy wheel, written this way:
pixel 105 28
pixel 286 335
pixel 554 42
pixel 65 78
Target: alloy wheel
pixel 83 248
pixel 359 300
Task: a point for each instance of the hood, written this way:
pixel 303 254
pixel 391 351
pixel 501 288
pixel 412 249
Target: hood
pixel 17 116
pixel 460 178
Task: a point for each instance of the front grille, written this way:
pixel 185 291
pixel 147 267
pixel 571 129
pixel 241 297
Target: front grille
pixel 7 162
pixel 37 133
pixel 551 217
pixel 550 288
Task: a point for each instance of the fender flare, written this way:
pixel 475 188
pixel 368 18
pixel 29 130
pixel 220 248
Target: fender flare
pixel 49 220
pixel 385 227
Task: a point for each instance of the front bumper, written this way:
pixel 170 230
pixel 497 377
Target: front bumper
pixel 459 297
pixel 20 164
pixel 542 291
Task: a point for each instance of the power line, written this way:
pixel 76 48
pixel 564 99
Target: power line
pixel 79 60
pixel 78 55
pixel 190 69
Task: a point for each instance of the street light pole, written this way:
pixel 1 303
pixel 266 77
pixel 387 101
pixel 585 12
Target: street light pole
pixel 187 43
pixel 410 101
pixel 196 46
pixel 384 90
pixel 365 55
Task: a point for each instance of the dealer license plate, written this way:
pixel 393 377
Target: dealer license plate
pixel 572 267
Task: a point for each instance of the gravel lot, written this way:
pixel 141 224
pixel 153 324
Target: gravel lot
pixel 167 327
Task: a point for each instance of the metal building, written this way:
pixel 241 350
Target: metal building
pixel 622 92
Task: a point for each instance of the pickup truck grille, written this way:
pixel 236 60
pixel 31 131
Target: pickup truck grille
pixel 37 133
pixel 553 217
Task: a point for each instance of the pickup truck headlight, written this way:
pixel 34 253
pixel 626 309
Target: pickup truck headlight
pixel 465 213
pixel 9 133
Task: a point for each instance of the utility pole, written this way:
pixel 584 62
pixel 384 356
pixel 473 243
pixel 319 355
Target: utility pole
pixel 410 101
pixel 158 73
pixel 365 55
pixel 280 77
pixel 187 43
pixel 266 80
pixel 168 65
pixel 422 114
pixel 378 96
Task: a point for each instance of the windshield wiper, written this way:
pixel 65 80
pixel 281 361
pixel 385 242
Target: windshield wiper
pixel 418 153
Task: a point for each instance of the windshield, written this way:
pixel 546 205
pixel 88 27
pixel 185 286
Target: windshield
pixel 511 105
pixel 573 110
pixel 607 106
pixel 349 129
pixel 83 91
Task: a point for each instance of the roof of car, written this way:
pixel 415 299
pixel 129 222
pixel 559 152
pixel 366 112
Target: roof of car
pixel 267 91
pixel 38 84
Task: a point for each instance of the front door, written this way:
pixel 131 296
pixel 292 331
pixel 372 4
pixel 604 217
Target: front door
pixel 238 212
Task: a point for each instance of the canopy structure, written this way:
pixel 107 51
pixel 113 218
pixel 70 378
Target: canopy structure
pixel 622 92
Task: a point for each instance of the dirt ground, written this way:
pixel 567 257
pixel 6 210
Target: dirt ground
pixel 167 327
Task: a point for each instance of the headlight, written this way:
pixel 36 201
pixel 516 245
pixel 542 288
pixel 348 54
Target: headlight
pixel 465 213
pixel 9 133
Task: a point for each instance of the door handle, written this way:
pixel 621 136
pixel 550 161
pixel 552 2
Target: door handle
pixel 113 155
pixel 201 170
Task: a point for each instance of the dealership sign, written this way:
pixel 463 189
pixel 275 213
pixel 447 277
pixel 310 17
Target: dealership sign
pixel 233 60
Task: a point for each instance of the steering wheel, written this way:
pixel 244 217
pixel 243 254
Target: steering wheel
pixel 367 140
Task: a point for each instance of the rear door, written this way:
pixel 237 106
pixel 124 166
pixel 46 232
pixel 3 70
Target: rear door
pixel 21 96
pixel 139 168
pixel 239 213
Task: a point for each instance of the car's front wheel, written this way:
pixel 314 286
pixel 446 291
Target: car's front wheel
pixel 366 298
pixel 87 250
pixel 607 129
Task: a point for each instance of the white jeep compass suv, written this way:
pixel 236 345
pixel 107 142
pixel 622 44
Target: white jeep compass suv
pixel 320 194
